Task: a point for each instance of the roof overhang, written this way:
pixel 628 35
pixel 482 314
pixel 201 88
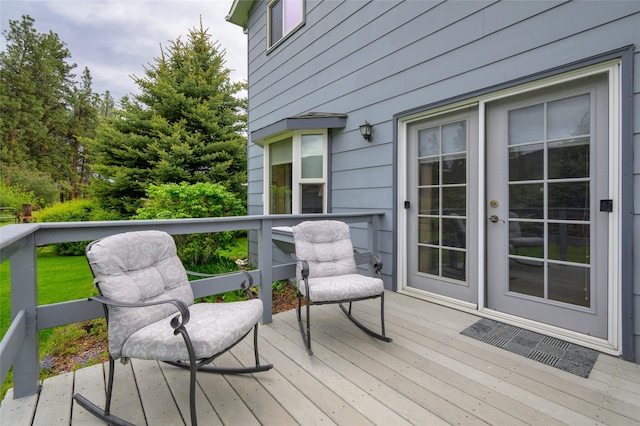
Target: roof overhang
pixel 239 12
pixel 310 120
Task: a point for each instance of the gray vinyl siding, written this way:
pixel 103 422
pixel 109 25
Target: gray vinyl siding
pixel 375 59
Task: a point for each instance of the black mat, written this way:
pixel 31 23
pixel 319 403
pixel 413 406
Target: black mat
pixel 547 350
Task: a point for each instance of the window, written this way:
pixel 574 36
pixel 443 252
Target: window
pixel 283 17
pixel 296 173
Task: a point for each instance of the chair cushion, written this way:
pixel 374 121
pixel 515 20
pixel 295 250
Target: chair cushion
pixel 212 328
pixel 350 286
pixel 326 245
pixel 137 267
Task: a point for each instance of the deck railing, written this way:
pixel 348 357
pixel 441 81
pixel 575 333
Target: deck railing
pixel 18 244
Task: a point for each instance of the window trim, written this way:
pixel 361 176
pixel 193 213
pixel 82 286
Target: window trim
pixel 296 180
pixel 285 33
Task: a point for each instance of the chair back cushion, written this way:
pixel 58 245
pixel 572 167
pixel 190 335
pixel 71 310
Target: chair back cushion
pixel 326 245
pixel 137 267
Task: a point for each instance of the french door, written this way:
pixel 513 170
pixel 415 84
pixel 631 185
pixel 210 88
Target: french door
pixel 548 206
pixel 441 253
pixel 536 246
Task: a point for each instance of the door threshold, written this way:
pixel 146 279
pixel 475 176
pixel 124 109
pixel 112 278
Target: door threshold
pixel 591 342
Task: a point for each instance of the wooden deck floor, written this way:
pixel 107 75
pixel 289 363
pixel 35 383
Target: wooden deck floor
pixel 429 375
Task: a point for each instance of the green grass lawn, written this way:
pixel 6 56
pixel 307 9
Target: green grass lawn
pixel 60 279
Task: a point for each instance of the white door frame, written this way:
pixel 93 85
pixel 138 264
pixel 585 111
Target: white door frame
pixel 612 344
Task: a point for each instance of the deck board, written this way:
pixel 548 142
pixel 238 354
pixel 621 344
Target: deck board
pixel 54 407
pixel 429 374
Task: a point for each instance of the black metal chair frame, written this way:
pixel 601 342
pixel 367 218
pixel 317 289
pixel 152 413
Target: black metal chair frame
pixel 194 365
pixel 306 336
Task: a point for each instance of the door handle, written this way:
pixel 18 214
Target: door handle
pixel 494 219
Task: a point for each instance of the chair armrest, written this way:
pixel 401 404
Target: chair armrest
pixel 376 261
pixel 305 269
pixel 175 322
pixel 247 289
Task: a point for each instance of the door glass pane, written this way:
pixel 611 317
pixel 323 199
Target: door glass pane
pixel 526 277
pixel 454 169
pixel 429 201
pixel 527 200
pixel 526 238
pixel 454 264
pixel 429 170
pixel 312 146
pixel 454 232
pixel 570 284
pixel 429 142
pixel 569 159
pixel 526 124
pixel 570 242
pixel 312 197
pixel 569 117
pixel 429 260
pixel 526 162
pixel 429 230
pixel 454 137
pixel 569 201
pixel 454 200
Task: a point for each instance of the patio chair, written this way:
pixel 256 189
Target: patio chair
pixel 150 312
pixel 326 273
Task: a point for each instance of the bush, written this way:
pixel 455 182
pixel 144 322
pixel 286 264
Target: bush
pixel 15 196
pixel 199 200
pixel 39 183
pixel 75 211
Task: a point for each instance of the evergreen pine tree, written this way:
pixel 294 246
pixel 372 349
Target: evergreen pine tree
pixel 186 125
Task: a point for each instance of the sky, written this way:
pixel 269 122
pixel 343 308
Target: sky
pixel 116 38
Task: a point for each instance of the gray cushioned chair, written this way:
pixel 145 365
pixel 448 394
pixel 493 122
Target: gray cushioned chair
pixel 151 314
pixel 326 273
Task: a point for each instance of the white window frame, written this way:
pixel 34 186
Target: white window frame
pixel 296 169
pixel 286 32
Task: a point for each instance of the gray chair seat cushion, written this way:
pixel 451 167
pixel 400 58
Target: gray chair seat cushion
pixel 342 287
pixel 212 328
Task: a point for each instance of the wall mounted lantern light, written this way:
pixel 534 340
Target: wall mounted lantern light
pixel 365 131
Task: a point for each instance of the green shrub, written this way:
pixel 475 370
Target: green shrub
pixel 39 183
pixel 15 196
pixel 75 211
pixel 200 200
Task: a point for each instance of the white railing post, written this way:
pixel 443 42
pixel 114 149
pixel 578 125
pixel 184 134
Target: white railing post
pixel 24 297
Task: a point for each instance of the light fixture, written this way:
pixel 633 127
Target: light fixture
pixel 365 131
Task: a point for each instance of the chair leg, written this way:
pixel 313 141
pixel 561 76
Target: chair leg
pixel 371 333
pixel 306 337
pixel 105 414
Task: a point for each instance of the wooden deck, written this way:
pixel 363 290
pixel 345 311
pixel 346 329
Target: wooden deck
pixel 428 375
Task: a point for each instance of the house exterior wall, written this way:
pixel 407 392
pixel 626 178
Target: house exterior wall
pixel 372 60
